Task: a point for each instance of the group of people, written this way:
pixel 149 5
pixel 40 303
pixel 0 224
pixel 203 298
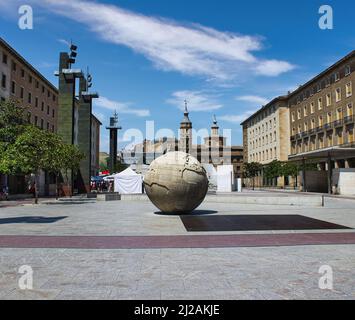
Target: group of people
pixel 4 193
pixel 102 186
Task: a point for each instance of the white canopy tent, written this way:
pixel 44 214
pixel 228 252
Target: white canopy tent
pixel 128 182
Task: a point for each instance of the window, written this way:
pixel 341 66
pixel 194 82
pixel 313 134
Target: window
pixel 293 116
pixel 29 97
pixel 327 82
pixel 29 117
pixel 48 93
pixel 53 113
pixel 22 73
pixel 3 80
pixel 321 142
pixel 4 58
pixel 36 121
pixel 329 99
pixel 320 104
pixel 319 87
pixel 299 128
pixel 320 121
pixel 36 102
pixel 347 70
pixel 330 140
pixel 47 126
pixel 349 111
pixel 313 123
pixel 299 114
pixel 338 95
pixel 13 87
pixel 337 76
pixel 351 135
pixel 37 84
pixel 43 89
pixel 42 106
pixel 29 78
pixel 13 67
pixel 305 111
pixel 42 123
pixel 48 109
pixel 329 117
pixel 52 128
pixel 305 126
pixel 53 97
pixel 349 89
pixel 312 107
pixel 22 90
pixel 340 137
pixel 339 113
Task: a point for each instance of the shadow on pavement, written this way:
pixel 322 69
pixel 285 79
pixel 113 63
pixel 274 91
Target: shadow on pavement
pixel 30 220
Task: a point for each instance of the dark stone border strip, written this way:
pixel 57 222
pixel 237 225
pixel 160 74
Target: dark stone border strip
pixel 161 242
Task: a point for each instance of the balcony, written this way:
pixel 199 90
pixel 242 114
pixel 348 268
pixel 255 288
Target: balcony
pixel 349 119
pixel 338 123
pixel 327 126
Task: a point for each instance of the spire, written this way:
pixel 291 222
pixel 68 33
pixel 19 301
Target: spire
pixel 215 123
pixel 186 115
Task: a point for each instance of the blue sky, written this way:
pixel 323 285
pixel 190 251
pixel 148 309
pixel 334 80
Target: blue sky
pixel 146 56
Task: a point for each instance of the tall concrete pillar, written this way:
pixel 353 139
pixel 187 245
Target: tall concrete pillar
pixel 66 111
pixel 84 135
pixel 113 128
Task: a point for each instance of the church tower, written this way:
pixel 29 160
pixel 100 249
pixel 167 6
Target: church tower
pixel 185 143
pixel 214 128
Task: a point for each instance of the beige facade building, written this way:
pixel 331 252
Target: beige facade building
pixel 313 124
pixel 265 133
pixel 322 127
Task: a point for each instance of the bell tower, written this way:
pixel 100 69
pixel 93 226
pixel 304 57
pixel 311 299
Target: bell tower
pixel 185 143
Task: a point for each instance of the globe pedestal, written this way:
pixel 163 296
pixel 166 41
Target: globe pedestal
pixel 176 183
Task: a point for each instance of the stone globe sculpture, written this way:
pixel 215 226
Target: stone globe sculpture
pixel 176 183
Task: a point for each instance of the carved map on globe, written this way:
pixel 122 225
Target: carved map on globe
pixel 176 183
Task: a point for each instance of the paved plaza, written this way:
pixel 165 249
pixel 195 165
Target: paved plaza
pixel 126 250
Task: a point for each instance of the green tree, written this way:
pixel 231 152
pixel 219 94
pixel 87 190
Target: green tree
pixel 273 170
pixel 251 170
pixel 68 161
pixel 12 122
pixel 291 169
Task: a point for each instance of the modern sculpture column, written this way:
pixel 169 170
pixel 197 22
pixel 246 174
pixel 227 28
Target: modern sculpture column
pixel 113 128
pixel 84 133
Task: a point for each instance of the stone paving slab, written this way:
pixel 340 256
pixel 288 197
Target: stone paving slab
pixel 126 218
pixel 220 273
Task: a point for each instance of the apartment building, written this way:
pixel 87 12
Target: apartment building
pixel 322 110
pixel 313 124
pixel 265 133
pixel 322 123
pixel 21 82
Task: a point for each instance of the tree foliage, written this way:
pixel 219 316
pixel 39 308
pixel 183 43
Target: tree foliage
pixel 26 149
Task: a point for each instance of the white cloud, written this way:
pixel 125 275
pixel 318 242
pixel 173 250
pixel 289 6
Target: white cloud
pixel 273 67
pixel 120 107
pixel 187 48
pixel 253 99
pixel 197 101
pixel 237 119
